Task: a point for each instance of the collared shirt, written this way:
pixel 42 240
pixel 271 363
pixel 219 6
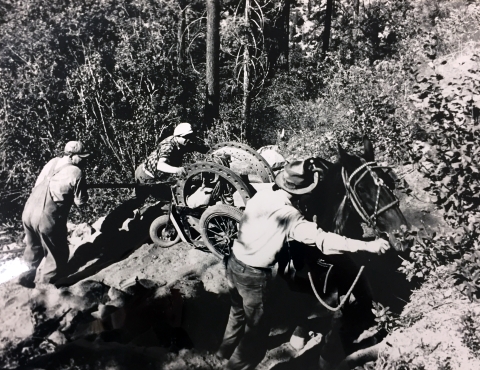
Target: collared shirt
pixel 172 152
pixel 68 185
pixel 269 221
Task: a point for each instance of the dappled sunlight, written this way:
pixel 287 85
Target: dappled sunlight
pixel 11 269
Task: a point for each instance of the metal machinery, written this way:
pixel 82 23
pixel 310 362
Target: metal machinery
pixel 228 175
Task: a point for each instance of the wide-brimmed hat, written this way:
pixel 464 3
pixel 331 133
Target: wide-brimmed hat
pixel 296 179
pixel 183 129
pixel 76 148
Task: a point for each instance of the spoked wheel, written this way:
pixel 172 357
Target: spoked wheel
pixel 163 233
pixel 219 228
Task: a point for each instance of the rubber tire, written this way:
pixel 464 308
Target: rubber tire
pixel 222 210
pixel 156 228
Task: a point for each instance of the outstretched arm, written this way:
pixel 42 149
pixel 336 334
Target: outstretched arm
pixel 329 243
pixel 163 166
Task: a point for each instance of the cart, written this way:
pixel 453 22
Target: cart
pixel 230 174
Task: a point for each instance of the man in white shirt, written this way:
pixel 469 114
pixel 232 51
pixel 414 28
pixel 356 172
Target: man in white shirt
pixel 268 222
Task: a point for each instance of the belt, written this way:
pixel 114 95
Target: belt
pixel 265 269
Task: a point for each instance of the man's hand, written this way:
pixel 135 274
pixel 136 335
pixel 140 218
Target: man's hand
pixel 181 171
pixel 379 246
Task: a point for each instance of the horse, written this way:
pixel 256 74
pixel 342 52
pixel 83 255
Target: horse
pixel 353 191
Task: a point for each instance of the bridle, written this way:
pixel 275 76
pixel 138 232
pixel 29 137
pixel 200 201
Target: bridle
pixel 352 196
pixel 371 220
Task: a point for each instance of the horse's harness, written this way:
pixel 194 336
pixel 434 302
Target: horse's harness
pixel 371 220
pixel 352 196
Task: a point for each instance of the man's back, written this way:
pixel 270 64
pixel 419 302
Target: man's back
pixel 68 185
pixel 264 227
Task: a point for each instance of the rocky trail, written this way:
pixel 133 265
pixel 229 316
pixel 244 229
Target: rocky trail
pixel 146 307
pixel 131 305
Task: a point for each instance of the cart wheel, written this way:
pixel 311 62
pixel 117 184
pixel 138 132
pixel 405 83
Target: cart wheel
pixel 219 228
pixel 244 153
pixel 224 181
pixel 163 233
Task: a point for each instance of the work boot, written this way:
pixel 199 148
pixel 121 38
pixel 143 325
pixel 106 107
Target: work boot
pixel 27 278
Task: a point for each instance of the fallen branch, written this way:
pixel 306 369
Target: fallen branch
pixel 13 250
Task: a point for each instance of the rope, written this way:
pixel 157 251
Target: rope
pixel 342 301
pixel 326 279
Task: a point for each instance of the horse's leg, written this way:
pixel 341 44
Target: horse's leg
pixel 349 322
pixel 333 352
pixel 363 356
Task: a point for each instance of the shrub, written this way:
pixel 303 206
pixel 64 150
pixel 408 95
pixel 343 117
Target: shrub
pixel 470 332
pixel 103 73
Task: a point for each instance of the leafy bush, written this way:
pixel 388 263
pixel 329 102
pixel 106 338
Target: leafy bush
pixel 385 319
pixel 429 251
pixel 470 332
pixel 104 73
pixel 466 271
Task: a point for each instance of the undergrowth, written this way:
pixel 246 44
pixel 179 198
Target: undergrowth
pixel 470 330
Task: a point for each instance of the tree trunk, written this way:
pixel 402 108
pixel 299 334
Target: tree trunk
pixel 356 7
pixel 246 78
pixel 213 50
pixel 328 26
pixel 181 34
pixel 286 35
pixel 291 35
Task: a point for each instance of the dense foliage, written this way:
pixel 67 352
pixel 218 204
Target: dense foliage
pixel 104 73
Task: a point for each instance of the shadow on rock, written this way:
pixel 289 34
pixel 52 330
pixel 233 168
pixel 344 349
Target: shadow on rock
pixel 136 327
pixel 110 245
pixel 205 317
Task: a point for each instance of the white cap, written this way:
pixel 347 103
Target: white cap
pixel 76 147
pixel 183 129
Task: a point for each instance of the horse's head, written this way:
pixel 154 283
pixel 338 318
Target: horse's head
pixel 369 189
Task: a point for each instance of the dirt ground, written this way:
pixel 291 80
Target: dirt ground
pixel 131 305
pixel 156 308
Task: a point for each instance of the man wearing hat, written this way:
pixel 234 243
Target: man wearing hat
pixel 268 222
pixel 60 184
pixel 166 160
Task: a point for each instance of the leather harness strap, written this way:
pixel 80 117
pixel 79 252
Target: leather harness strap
pixel 351 193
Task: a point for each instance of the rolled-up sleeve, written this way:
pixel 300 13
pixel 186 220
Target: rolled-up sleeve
pixel 304 231
pixel 307 232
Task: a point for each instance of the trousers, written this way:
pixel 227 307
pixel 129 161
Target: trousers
pixel 45 225
pixel 46 249
pixel 147 185
pixel 245 339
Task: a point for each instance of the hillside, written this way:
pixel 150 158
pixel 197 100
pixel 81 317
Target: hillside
pixel 120 74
